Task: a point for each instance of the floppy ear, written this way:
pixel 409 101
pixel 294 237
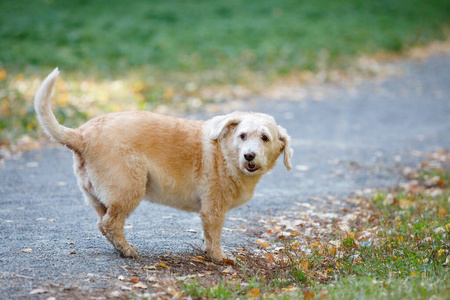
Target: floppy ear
pixel 220 124
pixel 288 151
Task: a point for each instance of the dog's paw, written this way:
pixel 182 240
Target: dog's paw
pixel 129 252
pixel 223 257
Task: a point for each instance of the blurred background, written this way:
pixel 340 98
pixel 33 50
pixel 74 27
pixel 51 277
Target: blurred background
pixel 178 55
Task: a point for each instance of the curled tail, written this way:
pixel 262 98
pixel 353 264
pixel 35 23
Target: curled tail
pixel 67 136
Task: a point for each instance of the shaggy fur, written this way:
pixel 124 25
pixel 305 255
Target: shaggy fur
pixel 207 167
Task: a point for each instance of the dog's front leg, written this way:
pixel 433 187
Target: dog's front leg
pixel 213 219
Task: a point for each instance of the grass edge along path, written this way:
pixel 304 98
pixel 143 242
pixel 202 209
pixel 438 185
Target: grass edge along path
pixel 390 245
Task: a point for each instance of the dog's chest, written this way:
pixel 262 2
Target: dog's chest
pixel 244 197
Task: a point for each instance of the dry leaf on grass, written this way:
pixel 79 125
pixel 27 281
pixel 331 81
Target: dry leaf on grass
pixel 140 285
pixel 254 292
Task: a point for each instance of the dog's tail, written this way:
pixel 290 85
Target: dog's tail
pixel 67 136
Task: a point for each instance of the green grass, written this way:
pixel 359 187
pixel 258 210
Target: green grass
pixel 192 36
pixel 166 50
pixel 394 288
pixel 408 258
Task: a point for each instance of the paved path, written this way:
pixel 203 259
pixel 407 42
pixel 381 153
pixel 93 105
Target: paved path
pixel 354 138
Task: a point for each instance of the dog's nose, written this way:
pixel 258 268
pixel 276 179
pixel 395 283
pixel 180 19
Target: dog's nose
pixel 249 156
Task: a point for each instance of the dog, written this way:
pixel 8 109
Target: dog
pixel 208 167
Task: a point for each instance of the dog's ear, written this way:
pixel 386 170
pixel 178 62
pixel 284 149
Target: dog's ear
pixel 286 142
pixel 220 124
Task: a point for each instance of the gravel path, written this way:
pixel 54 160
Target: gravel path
pixel 354 138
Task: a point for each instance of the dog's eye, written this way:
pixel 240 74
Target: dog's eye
pixel 243 136
pixel 265 138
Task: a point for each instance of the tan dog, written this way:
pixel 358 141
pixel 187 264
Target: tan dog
pixel 208 167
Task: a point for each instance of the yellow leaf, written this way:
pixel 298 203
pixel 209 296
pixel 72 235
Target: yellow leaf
pixel 404 203
pixel 304 264
pixel 270 258
pixel 163 265
pixel 2 74
pixel 350 235
pixel 332 250
pixel 289 289
pixel 254 292
pixel 262 243
pixel 295 246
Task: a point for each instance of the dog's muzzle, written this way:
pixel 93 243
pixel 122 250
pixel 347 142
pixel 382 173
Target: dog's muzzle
pixel 251 167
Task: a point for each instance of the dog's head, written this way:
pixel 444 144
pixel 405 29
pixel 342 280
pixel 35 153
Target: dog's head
pixel 254 139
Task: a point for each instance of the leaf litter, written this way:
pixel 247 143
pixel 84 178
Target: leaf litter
pixel 299 250
pixel 305 249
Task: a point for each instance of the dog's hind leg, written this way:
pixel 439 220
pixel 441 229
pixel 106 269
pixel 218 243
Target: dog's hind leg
pixel 113 222
pixel 99 207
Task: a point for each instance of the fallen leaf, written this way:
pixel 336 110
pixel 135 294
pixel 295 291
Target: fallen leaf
pixel 270 258
pixel 38 291
pixel 150 267
pixel 389 200
pixel 254 292
pixel 134 280
pixel 229 269
pixel 262 243
pixel 2 74
pixel 121 277
pixel 404 203
pixel 163 265
pixel 27 250
pixel 304 264
pixel 315 199
pixel 308 295
pixel 198 259
pixel 115 294
pixel 140 285
pixel 237 219
pixel 228 261
pixel 72 252
pixel 289 289
pixel 295 245
pixel 439 230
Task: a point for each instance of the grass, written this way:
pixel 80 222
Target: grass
pixel 164 52
pixel 193 36
pixel 398 248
